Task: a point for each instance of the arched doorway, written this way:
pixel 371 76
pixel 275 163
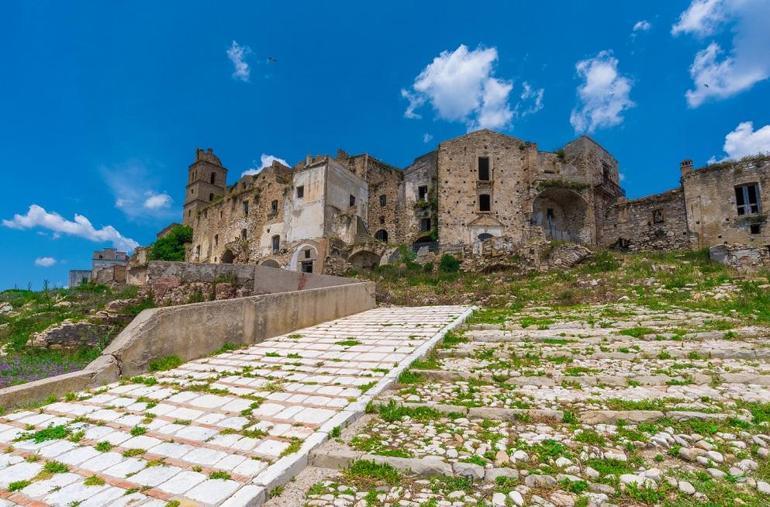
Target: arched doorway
pixel 562 215
pixel 381 235
pixel 271 263
pixel 364 259
pixel 304 259
pixel 228 257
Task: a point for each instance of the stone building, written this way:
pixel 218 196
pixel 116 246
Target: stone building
pixel 724 203
pixel 327 213
pixel 107 265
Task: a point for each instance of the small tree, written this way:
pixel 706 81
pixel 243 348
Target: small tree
pixel 171 246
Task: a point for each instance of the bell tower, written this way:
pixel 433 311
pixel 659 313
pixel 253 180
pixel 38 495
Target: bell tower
pixel 206 181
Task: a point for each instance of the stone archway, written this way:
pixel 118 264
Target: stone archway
pixel 304 259
pixel 364 259
pixel 562 214
pixel 228 257
pixel 270 263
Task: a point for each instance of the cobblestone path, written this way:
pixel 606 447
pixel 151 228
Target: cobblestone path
pixel 602 405
pixel 216 431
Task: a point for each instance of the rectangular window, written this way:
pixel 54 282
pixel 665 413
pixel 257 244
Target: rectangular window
pixel 422 192
pixel 307 266
pixel 245 208
pixel 276 243
pixel 483 168
pixel 755 228
pixel 352 200
pixel 484 202
pixel 383 200
pixel 657 216
pixel 747 199
pixel 274 207
pixel 216 239
pixel 425 224
pixel 243 234
pixel 300 191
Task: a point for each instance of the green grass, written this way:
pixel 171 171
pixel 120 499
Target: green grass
pixel 610 466
pixel 50 433
pixel 393 412
pixel 219 475
pixel 94 480
pixel 18 485
pixel 164 363
pixel 350 342
pixel 369 471
pixel 55 467
pixel 637 332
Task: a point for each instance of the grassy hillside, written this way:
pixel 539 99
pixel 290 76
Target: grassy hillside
pixel 35 311
pixel 656 280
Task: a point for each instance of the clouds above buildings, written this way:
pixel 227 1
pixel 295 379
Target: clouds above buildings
pixel 717 72
pixel 45 262
pixel 603 94
pixel 744 141
pixel 81 227
pixel 237 55
pixel 265 160
pixel 136 194
pixel 461 86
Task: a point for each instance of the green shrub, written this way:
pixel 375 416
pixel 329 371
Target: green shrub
pixel 449 264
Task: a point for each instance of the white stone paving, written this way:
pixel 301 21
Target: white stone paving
pixel 218 430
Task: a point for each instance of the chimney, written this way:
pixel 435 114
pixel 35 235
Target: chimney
pixel 685 167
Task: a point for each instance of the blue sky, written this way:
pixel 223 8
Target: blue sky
pixel 104 103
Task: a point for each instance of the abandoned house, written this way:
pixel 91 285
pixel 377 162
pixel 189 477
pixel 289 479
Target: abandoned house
pixel 327 213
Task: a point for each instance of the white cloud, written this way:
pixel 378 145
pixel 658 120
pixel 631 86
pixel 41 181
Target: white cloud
pixel 701 18
pixel 133 187
pixel 718 73
pixel 604 94
pixel 745 141
pixel 157 201
pixel 461 86
pixel 427 137
pixel 237 54
pixel 45 262
pixel 642 26
pixel 80 227
pixel 265 160
pixel 531 100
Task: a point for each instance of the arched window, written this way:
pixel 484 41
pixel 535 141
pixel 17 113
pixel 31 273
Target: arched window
pixel 381 235
pixel 485 236
pixel 213 177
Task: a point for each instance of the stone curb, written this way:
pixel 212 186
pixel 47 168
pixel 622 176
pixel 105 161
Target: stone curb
pixel 422 467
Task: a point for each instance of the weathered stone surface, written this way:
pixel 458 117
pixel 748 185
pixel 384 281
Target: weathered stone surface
pixel 69 335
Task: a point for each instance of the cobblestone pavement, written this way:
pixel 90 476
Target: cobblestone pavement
pixel 215 431
pixel 602 405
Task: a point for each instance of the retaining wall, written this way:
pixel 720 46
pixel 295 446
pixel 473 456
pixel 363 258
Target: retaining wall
pixel 197 330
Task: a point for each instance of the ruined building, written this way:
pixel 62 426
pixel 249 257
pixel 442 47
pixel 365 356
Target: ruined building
pixel 328 213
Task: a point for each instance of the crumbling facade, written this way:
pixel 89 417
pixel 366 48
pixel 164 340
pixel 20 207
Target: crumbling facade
pixel 327 214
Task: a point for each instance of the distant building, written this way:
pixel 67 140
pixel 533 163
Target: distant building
pixel 108 257
pixel 109 260
pixel 78 276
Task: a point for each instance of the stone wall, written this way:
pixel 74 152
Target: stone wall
pixel 741 257
pixel 423 172
pixel 712 212
pixel 658 222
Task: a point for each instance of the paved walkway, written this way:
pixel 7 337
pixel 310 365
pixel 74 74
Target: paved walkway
pixel 216 431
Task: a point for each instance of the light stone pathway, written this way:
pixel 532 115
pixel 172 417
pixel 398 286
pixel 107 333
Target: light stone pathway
pixel 595 406
pixel 216 431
